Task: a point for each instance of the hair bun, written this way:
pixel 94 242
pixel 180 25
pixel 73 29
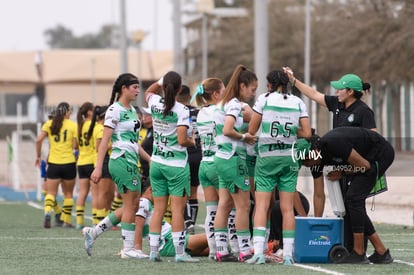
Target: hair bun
pixel 365 86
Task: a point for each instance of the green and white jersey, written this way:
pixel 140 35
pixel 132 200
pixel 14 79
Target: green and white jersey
pixel 205 126
pixel 146 209
pixel 166 149
pixel 125 125
pixel 280 120
pixel 227 147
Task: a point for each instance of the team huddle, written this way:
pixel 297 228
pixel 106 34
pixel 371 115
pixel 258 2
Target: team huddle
pixel 246 167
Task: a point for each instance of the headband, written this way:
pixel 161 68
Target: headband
pixel 130 82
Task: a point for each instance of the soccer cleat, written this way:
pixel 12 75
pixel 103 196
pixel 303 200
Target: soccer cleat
pixel 256 259
pixel 133 254
pixel 276 257
pixel 279 255
pixel 58 222
pixel 185 258
pixel 89 239
pixel 226 257
pixel 46 223
pixel 354 258
pixel 154 256
pixel 269 258
pixel 244 257
pixel 288 260
pixel 212 256
pixel 376 258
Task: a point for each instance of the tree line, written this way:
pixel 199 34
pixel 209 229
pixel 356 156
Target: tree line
pixel 371 38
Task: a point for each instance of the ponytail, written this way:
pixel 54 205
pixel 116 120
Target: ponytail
pixel 57 120
pixel 98 113
pixel 171 86
pixel 240 75
pixel 278 79
pixel 205 90
pixel 82 115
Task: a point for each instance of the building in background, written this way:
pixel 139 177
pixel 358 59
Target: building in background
pixel 38 85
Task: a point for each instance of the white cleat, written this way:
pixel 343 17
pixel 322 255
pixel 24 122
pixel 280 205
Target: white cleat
pixel 133 254
pixel 185 258
pixel 256 259
pixel 154 256
pixel 89 239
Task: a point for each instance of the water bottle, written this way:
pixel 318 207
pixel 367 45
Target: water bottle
pixel 43 168
pixel 76 153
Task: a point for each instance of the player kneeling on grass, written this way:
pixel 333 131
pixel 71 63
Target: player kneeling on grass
pixel 195 245
pixel 363 156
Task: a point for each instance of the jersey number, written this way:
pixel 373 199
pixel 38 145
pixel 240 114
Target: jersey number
pixel 207 140
pixel 159 138
pixel 84 141
pixel 57 137
pixel 275 127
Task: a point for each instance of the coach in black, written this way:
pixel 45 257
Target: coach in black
pixel 348 110
pixel 363 156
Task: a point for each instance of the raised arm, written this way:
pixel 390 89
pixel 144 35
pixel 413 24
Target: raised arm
pixel 154 88
pixel 305 89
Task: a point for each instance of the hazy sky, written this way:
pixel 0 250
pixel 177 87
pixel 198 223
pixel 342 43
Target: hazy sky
pixel 22 22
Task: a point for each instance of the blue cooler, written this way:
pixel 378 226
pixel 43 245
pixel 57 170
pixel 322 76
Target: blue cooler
pixel 318 239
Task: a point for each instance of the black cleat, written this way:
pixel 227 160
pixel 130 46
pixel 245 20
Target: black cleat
pixel 354 258
pixel 58 222
pixel 46 223
pixel 376 258
pixel 226 258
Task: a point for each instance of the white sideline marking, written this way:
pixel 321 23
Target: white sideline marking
pixel 34 205
pixel 399 234
pixel 320 269
pixel 403 262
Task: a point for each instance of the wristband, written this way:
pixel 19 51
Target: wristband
pixel 243 137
